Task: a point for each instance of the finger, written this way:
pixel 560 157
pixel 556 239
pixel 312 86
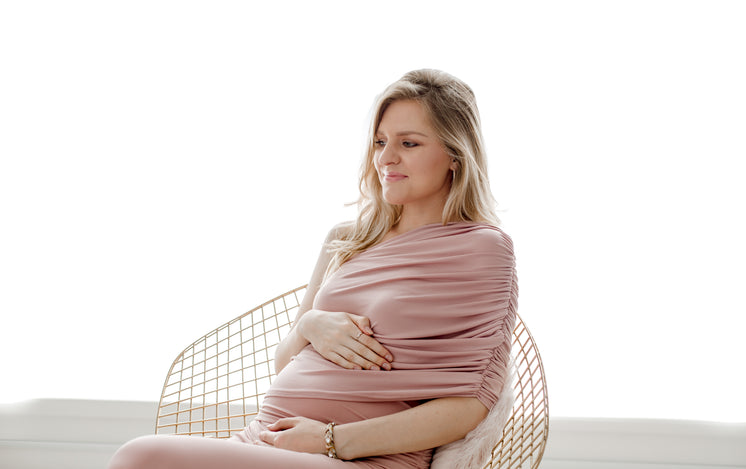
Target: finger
pixel 371 359
pixel 268 438
pixel 356 354
pixel 363 323
pixel 283 424
pixel 363 357
pixel 342 360
pixel 375 346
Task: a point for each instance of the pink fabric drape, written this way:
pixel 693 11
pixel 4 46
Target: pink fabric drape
pixel 442 299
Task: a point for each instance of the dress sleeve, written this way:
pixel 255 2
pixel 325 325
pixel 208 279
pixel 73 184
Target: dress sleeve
pixel 495 374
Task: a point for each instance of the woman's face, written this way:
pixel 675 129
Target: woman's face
pixel 412 165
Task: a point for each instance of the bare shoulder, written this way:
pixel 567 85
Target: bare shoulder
pixel 322 263
pixel 340 231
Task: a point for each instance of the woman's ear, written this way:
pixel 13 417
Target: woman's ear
pixel 454 164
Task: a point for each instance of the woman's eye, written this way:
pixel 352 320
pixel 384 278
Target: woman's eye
pixel 379 143
pixel 409 144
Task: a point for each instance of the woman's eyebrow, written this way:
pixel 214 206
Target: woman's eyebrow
pixel 406 132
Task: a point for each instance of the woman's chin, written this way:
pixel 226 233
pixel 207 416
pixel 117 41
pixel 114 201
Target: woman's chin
pixel 393 200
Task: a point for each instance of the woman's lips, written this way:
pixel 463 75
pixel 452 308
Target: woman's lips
pixel 393 177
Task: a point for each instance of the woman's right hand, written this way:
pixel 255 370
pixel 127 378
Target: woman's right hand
pixel 345 339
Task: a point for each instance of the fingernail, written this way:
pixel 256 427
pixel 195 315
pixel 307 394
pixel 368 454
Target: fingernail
pixel 386 366
pixel 389 358
pixel 368 330
pixel 375 368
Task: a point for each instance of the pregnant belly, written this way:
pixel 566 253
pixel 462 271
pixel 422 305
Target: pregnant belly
pixel 325 410
pixel 310 386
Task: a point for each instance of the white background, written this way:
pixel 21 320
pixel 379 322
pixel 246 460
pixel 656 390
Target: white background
pixel 168 165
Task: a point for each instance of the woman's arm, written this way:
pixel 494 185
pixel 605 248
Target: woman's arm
pixel 335 335
pixel 429 425
pixel 294 341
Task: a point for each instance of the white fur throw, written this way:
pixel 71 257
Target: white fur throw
pixel 473 451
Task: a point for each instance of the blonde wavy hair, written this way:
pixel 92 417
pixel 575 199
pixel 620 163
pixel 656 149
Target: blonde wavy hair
pixel 452 109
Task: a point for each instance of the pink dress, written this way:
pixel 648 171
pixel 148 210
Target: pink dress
pixel 442 299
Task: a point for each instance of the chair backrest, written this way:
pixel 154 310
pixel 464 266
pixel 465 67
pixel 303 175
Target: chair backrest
pixel 216 385
pixel 526 432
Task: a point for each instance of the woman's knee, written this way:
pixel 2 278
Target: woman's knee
pixel 142 453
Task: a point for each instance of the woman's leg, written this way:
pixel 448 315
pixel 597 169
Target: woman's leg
pixel 188 452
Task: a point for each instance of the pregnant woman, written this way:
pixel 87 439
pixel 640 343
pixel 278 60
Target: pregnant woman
pixel 402 341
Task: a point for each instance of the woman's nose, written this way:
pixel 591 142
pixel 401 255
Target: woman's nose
pixel 387 155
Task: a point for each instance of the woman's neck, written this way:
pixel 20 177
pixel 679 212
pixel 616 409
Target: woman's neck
pixel 413 220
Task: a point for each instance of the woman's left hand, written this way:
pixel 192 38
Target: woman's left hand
pixel 296 434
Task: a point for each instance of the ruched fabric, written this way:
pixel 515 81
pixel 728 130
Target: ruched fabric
pixel 442 299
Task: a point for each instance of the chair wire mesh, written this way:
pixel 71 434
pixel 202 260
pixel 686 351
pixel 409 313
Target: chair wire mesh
pixel 526 432
pixel 216 385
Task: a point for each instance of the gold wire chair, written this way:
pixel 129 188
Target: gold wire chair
pixel 216 385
